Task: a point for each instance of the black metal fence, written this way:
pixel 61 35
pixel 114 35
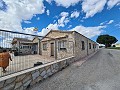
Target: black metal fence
pixel 23 50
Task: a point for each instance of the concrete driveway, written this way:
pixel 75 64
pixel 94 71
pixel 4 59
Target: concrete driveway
pixel 100 72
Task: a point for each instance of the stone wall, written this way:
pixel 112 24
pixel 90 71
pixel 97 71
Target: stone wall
pixel 78 52
pixel 60 54
pixel 69 48
pixel 48 51
pixel 24 79
pixel 92 49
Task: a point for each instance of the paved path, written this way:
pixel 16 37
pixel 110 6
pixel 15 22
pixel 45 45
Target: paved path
pixel 100 72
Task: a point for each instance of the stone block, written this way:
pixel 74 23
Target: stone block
pixel 33 72
pixel 45 76
pixel 26 84
pixel 56 66
pixel 8 81
pixel 39 79
pixel 27 78
pixel 9 86
pixel 1 84
pixel 20 88
pixel 43 73
pixel 35 75
pixel 51 67
pixel 49 72
pixel 20 78
pixel 33 82
pixel 18 85
pixel 47 67
pixel 62 64
pixel 41 70
pixel 53 70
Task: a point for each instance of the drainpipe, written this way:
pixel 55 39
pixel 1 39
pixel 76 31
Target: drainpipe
pixel 39 47
pixel 94 47
pixel 55 49
pixel 87 47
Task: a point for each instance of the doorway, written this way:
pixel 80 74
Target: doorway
pixel 52 49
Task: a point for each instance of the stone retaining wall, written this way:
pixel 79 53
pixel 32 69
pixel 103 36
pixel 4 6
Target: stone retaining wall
pixel 24 79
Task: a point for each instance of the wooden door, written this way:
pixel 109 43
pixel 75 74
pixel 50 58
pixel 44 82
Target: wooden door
pixel 52 49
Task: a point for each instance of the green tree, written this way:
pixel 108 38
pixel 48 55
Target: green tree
pixel 107 40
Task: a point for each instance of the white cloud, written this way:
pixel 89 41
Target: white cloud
pixel 110 22
pixel 69 26
pixel 48 12
pixel 63 20
pixel 107 22
pixel 48 28
pixel 58 23
pixel 52 26
pixel 27 22
pixel 89 31
pixel 118 25
pixel 102 23
pixel 91 7
pixel 82 20
pixel 49 1
pixel 19 10
pixel 29 30
pixel 64 14
pixel 75 14
pixel 112 3
pixel 66 3
pixel 38 18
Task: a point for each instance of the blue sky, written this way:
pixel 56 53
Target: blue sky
pixel 88 17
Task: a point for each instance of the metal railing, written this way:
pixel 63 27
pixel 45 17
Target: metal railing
pixel 24 49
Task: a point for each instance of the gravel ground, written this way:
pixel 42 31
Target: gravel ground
pixel 23 62
pixel 100 72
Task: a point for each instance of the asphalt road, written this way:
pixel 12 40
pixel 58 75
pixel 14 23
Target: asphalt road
pixel 100 72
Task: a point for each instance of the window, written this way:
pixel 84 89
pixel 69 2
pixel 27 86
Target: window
pixel 30 47
pixel 25 47
pixel 62 45
pixel 83 45
pixel 93 46
pixel 45 46
pixel 20 47
pixel 89 45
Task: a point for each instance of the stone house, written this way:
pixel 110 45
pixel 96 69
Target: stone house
pixel 61 44
pixel 24 46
